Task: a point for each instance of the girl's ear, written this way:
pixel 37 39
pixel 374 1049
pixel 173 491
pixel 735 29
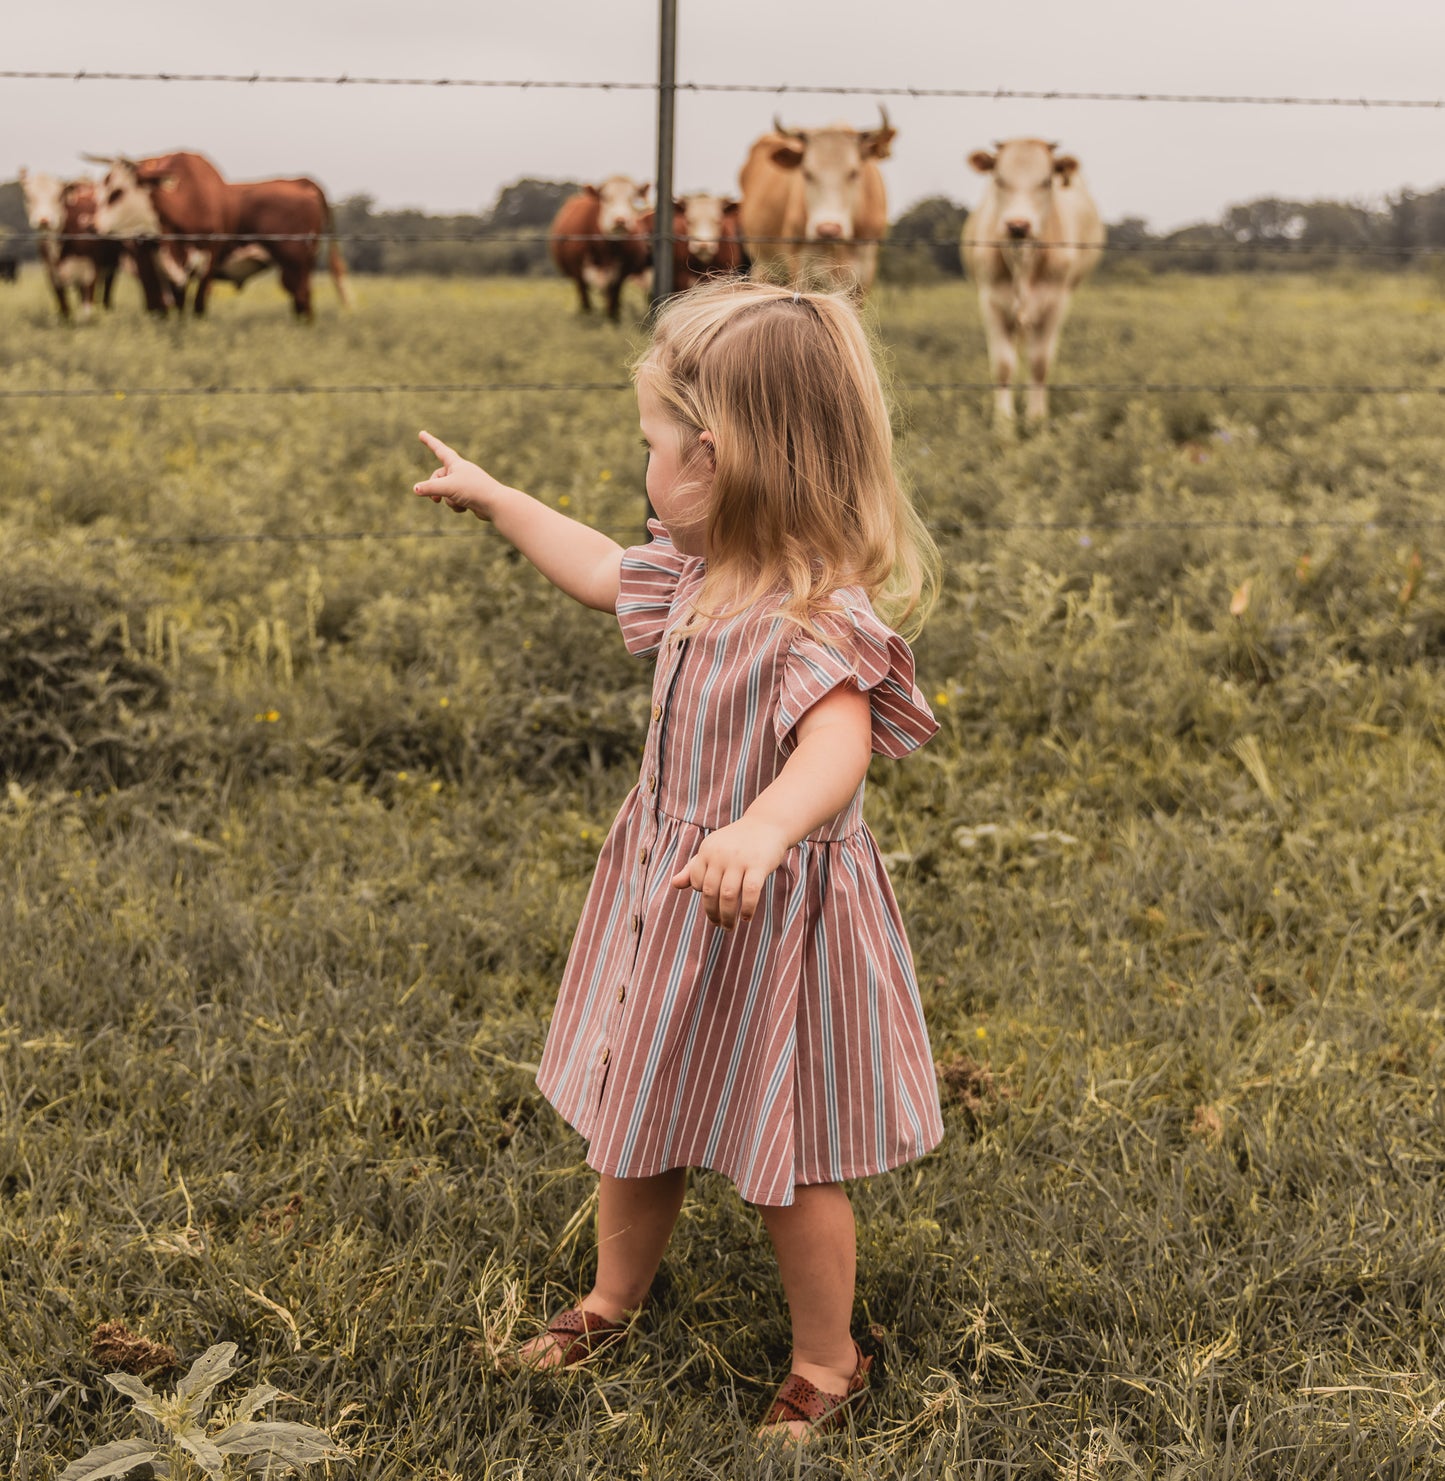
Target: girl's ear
pixel 706 439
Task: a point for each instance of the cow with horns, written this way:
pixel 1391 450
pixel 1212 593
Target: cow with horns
pixel 1032 239
pixel 814 205
pixel 209 228
pixel 62 214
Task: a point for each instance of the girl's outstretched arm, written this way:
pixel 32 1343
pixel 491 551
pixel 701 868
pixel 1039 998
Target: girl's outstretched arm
pixel 835 741
pixel 581 561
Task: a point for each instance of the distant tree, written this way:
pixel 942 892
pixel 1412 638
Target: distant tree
pixel 923 242
pixel 354 219
pixel 12 215
pixel 529 203
pixel 1265 220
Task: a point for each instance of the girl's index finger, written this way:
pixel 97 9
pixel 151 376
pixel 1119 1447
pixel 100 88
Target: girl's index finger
pixel 438 447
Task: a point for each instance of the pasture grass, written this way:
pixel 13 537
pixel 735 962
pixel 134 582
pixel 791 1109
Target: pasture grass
pixel 294 836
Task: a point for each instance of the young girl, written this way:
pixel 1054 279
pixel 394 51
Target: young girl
pixel 740 993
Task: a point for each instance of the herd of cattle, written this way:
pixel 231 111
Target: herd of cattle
pixel 811 208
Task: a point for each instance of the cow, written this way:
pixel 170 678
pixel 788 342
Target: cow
pixel 706 243
pixel 704 240
pixel 597 239
pixel 1032 239
pixel 814 205
pixel 212 228
pixel 62 214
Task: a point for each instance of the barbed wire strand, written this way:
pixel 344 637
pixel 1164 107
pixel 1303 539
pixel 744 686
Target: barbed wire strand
pixel 777 88
pixel 1081 527
pixel 441 388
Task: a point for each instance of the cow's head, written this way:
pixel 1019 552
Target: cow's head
pixel 44 201
pixel 831 161
pixel 1025 174
pixel 125 207
pixel 620 202
pixel 704 218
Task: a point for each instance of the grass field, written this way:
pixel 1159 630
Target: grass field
pixel 294 834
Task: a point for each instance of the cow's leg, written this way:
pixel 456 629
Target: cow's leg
pixel 61 297
pixel 1045 321
pixel 296 280
pixel 107 287
pixel 614 295
pixel 203 292
pixel 582 293
pixel 1000 325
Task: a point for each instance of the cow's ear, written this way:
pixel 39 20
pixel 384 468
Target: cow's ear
pixel 879 143
pixel 592 192
pixel 151 171
pixel 787 153
pixel 644 190
pixel 731 207
pixel 1066 167
pixel 982 161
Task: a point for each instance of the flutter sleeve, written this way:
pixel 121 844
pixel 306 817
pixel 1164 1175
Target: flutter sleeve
pixel 650 574
pixel 856 647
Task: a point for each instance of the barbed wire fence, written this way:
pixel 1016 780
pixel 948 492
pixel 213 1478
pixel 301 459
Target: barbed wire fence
pixel 1295 251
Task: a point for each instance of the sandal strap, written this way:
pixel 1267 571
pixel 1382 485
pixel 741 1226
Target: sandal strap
pixel 797 1400
pixel 580 1333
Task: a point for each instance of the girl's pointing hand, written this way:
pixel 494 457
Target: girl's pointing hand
pixel 730 868
pixel 458 484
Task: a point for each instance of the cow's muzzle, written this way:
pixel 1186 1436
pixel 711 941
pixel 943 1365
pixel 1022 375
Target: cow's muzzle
pixel 1018 230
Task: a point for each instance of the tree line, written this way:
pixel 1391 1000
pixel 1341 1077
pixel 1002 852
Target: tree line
pixel 510 238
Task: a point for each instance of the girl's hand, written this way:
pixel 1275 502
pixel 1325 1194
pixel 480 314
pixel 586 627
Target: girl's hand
pixel 730 868
pixel 458 484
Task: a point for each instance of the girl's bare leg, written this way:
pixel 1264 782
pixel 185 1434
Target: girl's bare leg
pixel 816 1245
pixel 635 1218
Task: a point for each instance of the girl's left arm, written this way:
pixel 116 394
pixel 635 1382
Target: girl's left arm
pixel 835 741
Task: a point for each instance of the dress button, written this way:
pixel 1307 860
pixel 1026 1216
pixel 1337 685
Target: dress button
pixel 606 1055
pixel 652 782
pixel 642 854
pixel 637 924
pixel 622 993
pixel 657 712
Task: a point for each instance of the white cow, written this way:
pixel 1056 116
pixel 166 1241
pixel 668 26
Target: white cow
pixel 1032 239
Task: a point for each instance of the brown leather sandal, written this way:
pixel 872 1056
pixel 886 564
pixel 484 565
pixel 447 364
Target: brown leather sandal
pixel 798 1400
pixel 578 1334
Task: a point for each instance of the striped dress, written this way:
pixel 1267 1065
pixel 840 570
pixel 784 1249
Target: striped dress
pixel 788 1050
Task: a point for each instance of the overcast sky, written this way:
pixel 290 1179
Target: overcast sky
pixel 451 150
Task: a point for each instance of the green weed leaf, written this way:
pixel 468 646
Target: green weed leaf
pixel 208 1457
pixel 254 1399
pixel 213 1366
pixel 141 1394
pixel 111 1460
pixel 277 1442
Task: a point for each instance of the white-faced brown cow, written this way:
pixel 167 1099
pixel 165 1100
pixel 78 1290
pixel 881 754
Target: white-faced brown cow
pixel 62 214
pixel 814 205
pixel 597 239
pixel 704 239
pixel 707 245
pixel 1032 239
pixel 212 228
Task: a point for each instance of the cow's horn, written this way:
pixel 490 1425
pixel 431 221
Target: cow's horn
pixel 789 133
pixel 98 159
pixel 883 114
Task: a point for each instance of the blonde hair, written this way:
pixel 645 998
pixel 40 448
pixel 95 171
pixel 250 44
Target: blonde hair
pixel 804 495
